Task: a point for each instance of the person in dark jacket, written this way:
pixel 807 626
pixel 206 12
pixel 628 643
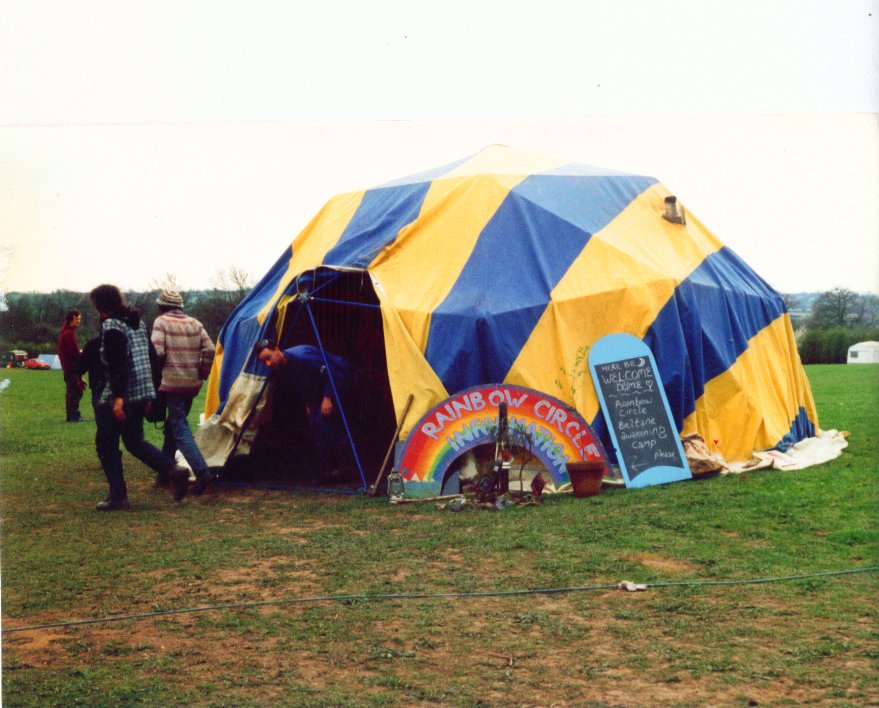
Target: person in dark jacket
pixel 89 364
pixel 304 368
pixel 68 353
pixel 123 399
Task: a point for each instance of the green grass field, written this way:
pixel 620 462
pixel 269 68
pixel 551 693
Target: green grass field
pixel 810 640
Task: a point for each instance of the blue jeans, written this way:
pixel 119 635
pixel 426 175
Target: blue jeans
pixel 109 431
pixel 178 435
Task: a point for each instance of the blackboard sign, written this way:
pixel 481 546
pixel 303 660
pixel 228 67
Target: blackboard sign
pixel 641 426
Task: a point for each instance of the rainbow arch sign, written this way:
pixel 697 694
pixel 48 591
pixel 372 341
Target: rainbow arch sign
pixel 557 434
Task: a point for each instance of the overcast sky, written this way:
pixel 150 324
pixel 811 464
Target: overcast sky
pixel 138 139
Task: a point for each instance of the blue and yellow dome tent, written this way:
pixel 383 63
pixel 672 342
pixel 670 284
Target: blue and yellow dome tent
pixel 506 267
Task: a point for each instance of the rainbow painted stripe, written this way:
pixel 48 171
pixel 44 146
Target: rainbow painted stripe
pixel 557 434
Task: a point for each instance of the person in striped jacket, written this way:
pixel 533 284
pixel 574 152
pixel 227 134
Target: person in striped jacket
pixel 186 352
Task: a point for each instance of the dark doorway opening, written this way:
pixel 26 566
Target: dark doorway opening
pixel 338 312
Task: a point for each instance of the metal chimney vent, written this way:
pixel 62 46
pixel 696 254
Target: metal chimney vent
pixel 674 212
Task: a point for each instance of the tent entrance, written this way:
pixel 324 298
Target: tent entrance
pixel 338 312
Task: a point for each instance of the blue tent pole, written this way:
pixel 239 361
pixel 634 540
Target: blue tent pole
pixel 336 394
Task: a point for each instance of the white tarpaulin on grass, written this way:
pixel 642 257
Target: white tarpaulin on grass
pixel 825 446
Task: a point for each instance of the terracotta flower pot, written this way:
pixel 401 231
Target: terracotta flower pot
pixel 586 477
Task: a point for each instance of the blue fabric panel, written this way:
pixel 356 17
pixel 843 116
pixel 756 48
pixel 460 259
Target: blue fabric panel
pixel 241 330
pixel 800 428
pixel 706 326
pixel 528 245
pixel 675 338
pixel 703 329
pixel 376 223
pixel 429 175
pixel 570 169
pixel 580 169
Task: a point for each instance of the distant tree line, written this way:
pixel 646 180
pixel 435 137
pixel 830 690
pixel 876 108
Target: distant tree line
pixel 31 321
pixel 838 319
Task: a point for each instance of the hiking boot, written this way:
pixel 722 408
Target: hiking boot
pixel 113 505
pixel 201 484
pixel 179 478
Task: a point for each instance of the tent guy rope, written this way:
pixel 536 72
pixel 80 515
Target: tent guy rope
pixel 432 596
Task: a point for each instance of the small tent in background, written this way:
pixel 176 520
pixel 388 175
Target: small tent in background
pixel 864 353
pixel 53 360
pixel 505 267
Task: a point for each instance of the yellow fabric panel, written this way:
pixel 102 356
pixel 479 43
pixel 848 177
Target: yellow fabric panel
pixel 499 159
pixel 408 371
pixel 281 309
pixel 752 404
pixel 671 250
pixel 419 268
pixel 314 242
pixel 212 394
pixel 619 283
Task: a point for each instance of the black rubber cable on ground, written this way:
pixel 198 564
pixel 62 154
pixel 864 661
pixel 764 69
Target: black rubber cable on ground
pixel 429 596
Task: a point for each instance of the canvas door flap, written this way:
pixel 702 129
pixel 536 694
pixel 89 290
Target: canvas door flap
pixel 216 437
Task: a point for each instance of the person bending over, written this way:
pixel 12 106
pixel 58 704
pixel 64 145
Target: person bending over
pixel 304 369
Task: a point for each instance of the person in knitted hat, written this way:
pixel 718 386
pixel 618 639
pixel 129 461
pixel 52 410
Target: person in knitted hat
pixel 169 300
pixel 186 353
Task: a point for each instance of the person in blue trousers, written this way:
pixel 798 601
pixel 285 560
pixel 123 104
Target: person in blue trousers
pixel 305 369
pixel 186 353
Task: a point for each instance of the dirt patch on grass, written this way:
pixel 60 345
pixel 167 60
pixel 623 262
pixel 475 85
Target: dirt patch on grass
pixel 268 579
pixel 299 534
pixel 608 647
pixel 662 564
pixel 31 646
pixel 536 650
pixel 712 647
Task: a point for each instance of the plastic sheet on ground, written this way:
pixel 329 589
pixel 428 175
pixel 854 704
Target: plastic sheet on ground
pixel 825 446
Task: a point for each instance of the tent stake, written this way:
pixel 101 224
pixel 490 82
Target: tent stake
pixel 381 471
